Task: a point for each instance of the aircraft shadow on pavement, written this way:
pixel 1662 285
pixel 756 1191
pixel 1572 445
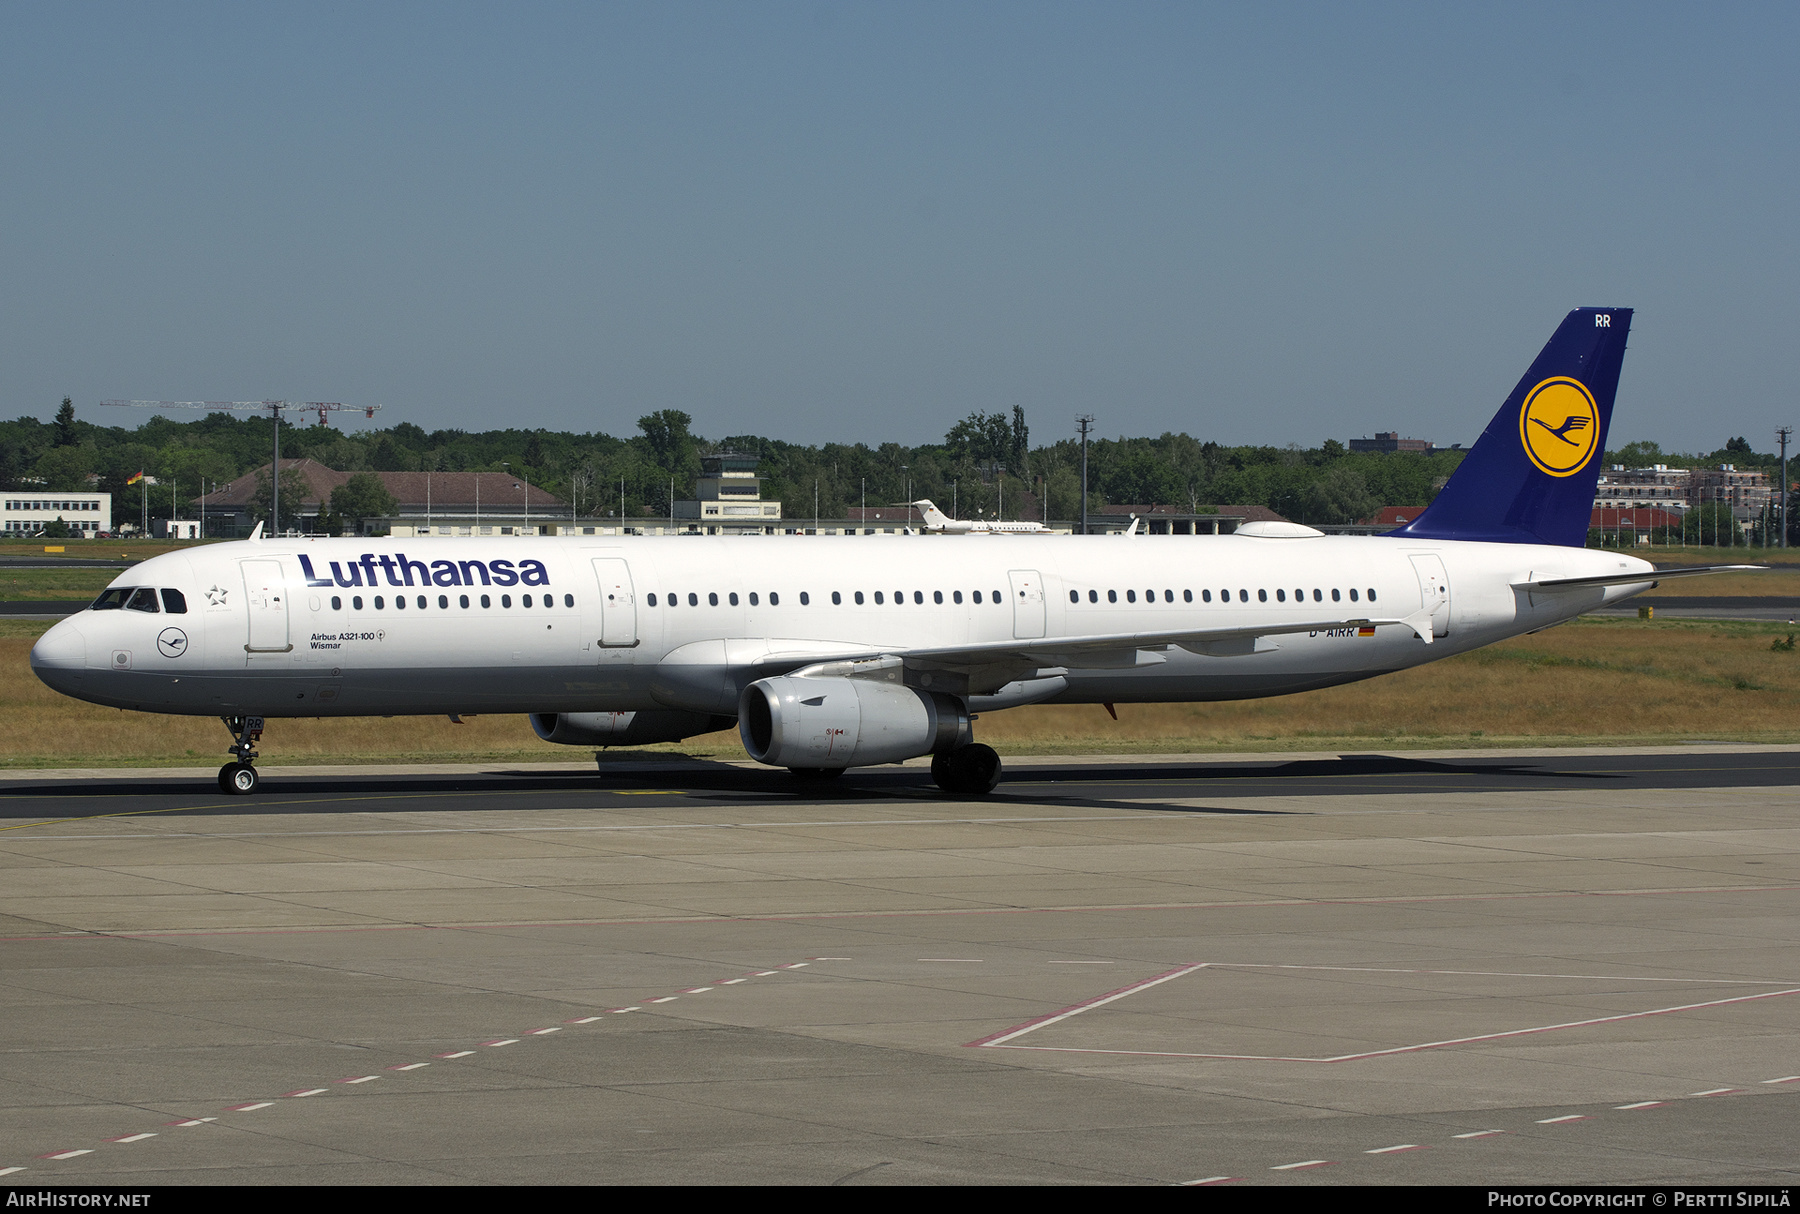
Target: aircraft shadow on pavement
pixel 1110 786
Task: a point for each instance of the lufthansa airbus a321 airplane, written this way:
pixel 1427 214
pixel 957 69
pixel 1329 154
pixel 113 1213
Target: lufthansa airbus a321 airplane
pixel 832 655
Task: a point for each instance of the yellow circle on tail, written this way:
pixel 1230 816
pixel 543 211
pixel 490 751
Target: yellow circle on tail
pixel 1559 426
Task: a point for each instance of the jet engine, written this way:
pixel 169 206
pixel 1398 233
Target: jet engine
pixel 623 728
pixel 832 723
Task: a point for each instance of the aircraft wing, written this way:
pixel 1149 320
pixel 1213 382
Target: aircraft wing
pixel 1629 579
pixel 999 662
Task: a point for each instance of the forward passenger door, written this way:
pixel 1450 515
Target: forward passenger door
pixel 1028 603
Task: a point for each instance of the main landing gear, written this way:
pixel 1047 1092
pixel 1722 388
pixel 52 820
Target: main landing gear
pixel 239 778
pixel 967 771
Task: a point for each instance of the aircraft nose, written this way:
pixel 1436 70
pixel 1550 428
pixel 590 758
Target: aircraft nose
pixel 62 648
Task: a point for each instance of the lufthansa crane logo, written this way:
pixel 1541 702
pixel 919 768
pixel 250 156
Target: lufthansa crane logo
pixel 1559 426
pixel 172 642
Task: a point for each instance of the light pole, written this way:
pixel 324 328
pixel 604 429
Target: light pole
pixel 1784 433
pixel 1085 421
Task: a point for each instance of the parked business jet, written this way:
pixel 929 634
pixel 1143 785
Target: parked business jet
pixel 937 522
pixel 831 655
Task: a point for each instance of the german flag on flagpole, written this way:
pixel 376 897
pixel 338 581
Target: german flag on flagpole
pixel 134 480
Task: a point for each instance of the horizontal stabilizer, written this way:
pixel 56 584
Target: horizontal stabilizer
pixel 1631 579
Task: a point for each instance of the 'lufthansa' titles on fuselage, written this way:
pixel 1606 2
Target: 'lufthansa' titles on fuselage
pixel 398 571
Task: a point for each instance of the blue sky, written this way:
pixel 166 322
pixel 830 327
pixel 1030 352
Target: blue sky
pixel 836 221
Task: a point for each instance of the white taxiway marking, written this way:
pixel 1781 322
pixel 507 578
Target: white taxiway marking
pixel 584 1020
pixel 409 1066
pixel 360 1079
pixel 457 1054
pixel 762 973
pixel 1785 1079
pixel 1084 963
pixel 1207 1180
pixel 67 1154
pixel 555 1028
pixel 971 960
pixel 132 1137
pixel 1480 1134
pixel 249 1108
pixel 1304 1163
pixel 10 1171
pixel 1643 1104
pixel 666 999
pixel 1715 1091
pixel 696 990
pixel 618 1011
pixel 796 965
pixel 307 1092
pixel 1563 1118
pixel 193 1121
pixel 502 1041
pixel 731 981
pixel 1405 1146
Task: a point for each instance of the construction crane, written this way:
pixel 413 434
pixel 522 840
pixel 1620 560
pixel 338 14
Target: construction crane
pixel 275 408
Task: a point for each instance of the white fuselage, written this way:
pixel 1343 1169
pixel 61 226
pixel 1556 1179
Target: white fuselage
pixel 635 624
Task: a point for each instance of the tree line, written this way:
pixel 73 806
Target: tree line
pixel 986 467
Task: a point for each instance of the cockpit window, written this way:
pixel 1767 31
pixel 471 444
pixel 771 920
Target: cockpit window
pixel 111 600
pixel 143 599
pixel 174 602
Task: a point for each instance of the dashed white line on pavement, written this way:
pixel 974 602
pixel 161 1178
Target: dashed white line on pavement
pixel 732 981
pixel 10 1171
pixel 133 1137
pixel 555 1028
pixel 408 1066
pixel 1563 1118
pixel 1784 1079
pixel 696 990
pixel 250 1108
pixel 583 1020
pixel 1405 1146
pixel 192 1121
pixel 68 1154
pixel 621 1010
pixel 1480 1134
pixel 971 960
pixel 457 1054
pixel 360 1079
pixel 796 965
pixel 1204 1180
pixel 1642 1104
pixel 666 999
pixel 1715 1092
pixel 306 1092
pixel 1304 1163
pixel 502 1041
pixel 762 973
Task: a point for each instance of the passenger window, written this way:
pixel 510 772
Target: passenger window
pixel 899 598
pixel 174 602
pixel 487 602
pixel 1168 596
pixel 774 599
pixel 1131 596
pixel 1093 596
pixel 142 600
pixel 1318 595
pixel 712 600
pixel 356 602
pixel 805 599
pixel 937 596
pixel 997 598
pixel 836 599
pixel 732 598
pixel 919 597
pixel 878 598
pixel 1335 596
pixel 525 601
pixel 444 601
pixel 651 597
pixel 978 596
pixel 1074 596
pixel 337 603
pixel 1262 596
pixel 462 600
pixel 422 603
pixel 1112 596
pixel 506 600
pixel 1187 596
pixel 859 599
pixel 753 599
pixel 569 600
pixel 1352 596
pixel 1371 594
pixel 1243 596
pixel 1206 596
pixel 1280 596
pixel 399 602
pixel 379 603
pixel 693 599
pixel 956 595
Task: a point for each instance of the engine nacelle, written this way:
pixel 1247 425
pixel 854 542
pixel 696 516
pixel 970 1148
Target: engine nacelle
pixel 623 728
pixel 837 723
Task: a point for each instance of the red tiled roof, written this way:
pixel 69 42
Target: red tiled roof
pixel 450 492
pixel 1250 514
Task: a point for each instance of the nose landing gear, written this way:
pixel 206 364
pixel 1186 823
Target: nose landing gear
pixel 239 778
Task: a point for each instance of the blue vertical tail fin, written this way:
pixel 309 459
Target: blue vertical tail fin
pixel 1530 477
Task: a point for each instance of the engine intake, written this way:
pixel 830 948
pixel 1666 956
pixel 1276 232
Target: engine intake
pixel 836 723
